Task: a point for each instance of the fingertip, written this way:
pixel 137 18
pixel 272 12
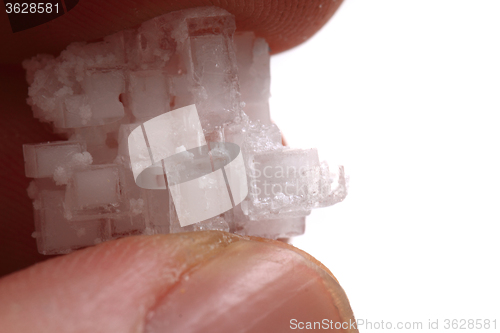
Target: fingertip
pixel 213 278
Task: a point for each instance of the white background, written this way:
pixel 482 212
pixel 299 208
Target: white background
pixel 406 95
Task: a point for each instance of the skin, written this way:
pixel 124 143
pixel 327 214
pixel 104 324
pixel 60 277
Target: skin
pixel 208 281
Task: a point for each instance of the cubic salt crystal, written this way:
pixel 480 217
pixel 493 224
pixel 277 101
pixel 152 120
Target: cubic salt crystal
pixel 55 234
pixel 104 96
pixel 275 228
pixel 216 90
pixel 222 222
pixel 280 182
pixel 181 92
pixel 210 62
pixel 148 93
pixel 123 153
pixel 95 193
pixel 36 186
pixel 101 141
pixel 81 87
pixel 103 91
pixel 201 197
pixel 194 49
pixel 130 224
pixel 157 203
pixel 173 129
pixel 78 161
pixel 268 228
pixel 254 73
pixel 41 160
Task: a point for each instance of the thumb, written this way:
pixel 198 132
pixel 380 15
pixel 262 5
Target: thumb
pixel 193 282
pixel 283 23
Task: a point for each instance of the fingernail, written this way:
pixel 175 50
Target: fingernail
pixel 253 287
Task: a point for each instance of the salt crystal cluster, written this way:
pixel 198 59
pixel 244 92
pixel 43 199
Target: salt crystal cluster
pixel 96 94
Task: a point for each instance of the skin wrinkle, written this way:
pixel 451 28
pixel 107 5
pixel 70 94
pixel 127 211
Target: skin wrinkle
pixel 290 264
pixel 222 253
pixel 185 273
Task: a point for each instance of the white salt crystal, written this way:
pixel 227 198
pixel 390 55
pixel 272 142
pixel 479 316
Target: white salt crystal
pixel 279 182
pixel 41 160
pixel 268 228
pixel 157 210
pixel 254 73
pixel 216 95
pixel 123 155
pixel 127 225
pixel 77 111
pixel 136 206
pixel 103 91
pixel 95 193
pixel 201 198
pixel 149 93
pixel 79 88
pixel 173 129
pixel 222 222
pixel 56 235
pixel 101 141
pixel 139 107
pixel 105 179
pixel 78 161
